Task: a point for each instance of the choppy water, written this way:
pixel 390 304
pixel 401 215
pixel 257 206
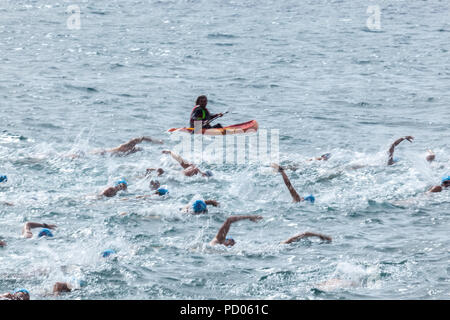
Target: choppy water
pixel 312 69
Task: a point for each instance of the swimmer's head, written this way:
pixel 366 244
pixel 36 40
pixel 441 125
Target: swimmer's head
pixel 446 182
pixel 395 159
pixel 199 206
pixel 162 191
pixel 310 198
pixel 326 156
pixel 45 233
pixel 122 184
pixel 229 241
pixel 208 173
pixel 107 253
pixel 431 157
pixel 21 294
pixel 201 101
pixel 3 179
pixel 154 184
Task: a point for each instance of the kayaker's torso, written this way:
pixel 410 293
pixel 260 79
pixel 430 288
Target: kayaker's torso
pixel 199 114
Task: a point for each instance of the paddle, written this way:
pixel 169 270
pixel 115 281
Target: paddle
pixel 214 118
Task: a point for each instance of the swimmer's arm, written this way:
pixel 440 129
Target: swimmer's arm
pixel 178 158
pixel 223 231
pixel 8 296
pixel 59 287
pixel 435 189
pixel 132 143
pixel 212 203
pixel 392 148
pixel 26 231
pixel 306 235
pixel 294 194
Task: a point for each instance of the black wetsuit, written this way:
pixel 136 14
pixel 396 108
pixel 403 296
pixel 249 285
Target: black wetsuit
pixel 203 114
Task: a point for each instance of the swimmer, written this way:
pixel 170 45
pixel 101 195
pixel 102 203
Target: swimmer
pixel 122 150
pixel 391 159
pixel 128 147
pixel 199 206
pixel 18 294
pixel 159 192
pixel 324 157
pixel 221 237
pixel 3 179
pixel 294 194
pixel 444 184
pixel 112 191
pixel 149 171
pixel 431 156
pixel 10 204
pixel 26 230
pixel 189 168
pixel 335 284
pixel 60 287
pixel 306 235
pixel 2 243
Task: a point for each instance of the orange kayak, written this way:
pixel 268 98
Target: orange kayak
pixel 234 129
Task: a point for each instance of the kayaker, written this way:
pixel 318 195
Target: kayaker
pixel 221 237
pixel 190 169
pixel 200 113
pixel 295 196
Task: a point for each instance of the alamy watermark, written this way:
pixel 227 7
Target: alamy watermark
pixel 236 146
pixel 374 20
pixel 74 20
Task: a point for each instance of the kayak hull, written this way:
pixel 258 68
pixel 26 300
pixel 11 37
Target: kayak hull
pixel 250 126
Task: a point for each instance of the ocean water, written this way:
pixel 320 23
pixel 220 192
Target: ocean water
pixel 314 70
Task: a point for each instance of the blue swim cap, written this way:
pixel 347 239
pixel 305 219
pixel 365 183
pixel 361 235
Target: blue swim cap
pixel 82 283
pixel 199 206
pixel 45 232
pixel 444 179
pixel 310 198
pixel 3 179
pixel 396 159
pixel 208 173
pixel 21 290
pixel 326 156
pixel 162 191
pixel 123 181
pixel 107 253
pixel 229 238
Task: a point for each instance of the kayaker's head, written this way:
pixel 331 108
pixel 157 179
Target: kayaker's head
pixel 202 101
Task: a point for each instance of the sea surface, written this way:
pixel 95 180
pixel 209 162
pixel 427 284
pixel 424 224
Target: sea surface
pixel 317 71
